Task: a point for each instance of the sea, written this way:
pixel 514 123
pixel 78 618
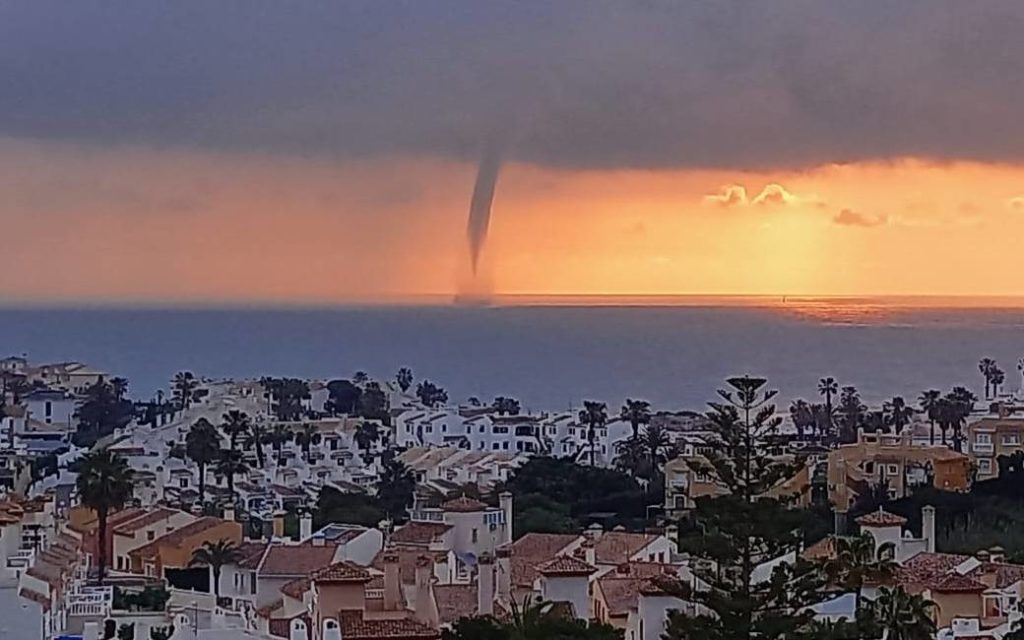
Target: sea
pixel 551 353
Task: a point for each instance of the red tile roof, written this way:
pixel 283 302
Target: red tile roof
pixel 250 554
pixel 534 549
pixel 565 566
pixel 661 585
pixel 956 583
pixel 463 504
pixel 881 518
pixel 35 597
pixel 420 532
pixel 296 560
pixel 144 520
pixel 407 559
pixel 282 627
pixel 354 627
pixel 177 536
pixel 455 601
pixel 925 568
pixel 616 547
pixel 341 572
pixel 620 594
pixel 296 588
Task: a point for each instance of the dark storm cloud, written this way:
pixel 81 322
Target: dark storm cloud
pixel 587 83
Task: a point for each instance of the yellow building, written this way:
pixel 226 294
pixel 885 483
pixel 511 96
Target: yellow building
pixel 895 460
pixel 990 438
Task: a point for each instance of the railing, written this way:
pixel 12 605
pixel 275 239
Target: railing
pixel 21 559
pixel 982 447
pixel 90 601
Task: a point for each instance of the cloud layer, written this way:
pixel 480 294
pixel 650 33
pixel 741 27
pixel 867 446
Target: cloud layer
pixel 579 83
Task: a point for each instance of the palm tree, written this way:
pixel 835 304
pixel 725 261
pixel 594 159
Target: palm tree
pixel 360 377
pixel 279 436
pixel 852 411
pixel 235 424
pixel 897 413
pixel 119 387
pixel 257 437
pixel 104 484
pixel 366 434
pixel 630 456
pixel 655 443
pixel 929 403
pixel 801 415
pixel 636 413
pixel 856 561
pixel 828 387
pixel 506 406
pixel 595 416
pixel 998 378
pixel 903 616
pixel 985 367
pixel 306 437
pixel 960 404
pixel 404 378
pixel 202 446
pixel 184 387
pixel 230 464
pixel 215 555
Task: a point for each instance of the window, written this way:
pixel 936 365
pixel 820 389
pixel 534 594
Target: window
pixel 893 469
pixel 475 536
pixel 444 428
pixel 49 408
pixel 869 467
pixel 504 445
pixel 494 445
pixel 150 536
pixel 1011 439
pixel 983 438
pixel 430 429
pixel 984 466
pixel 183 482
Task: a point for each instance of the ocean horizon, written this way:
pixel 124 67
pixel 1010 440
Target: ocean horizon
pixel 551 355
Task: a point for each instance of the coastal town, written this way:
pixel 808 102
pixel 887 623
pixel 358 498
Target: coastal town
pixel 359 508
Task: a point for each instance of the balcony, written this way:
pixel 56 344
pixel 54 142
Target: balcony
pixel 982 447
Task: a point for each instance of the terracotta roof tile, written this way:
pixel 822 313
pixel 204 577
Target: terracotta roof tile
pixel 354 627
pixel 177 536
pixel 565 566
pixel 821 550
pixel 407 559
pixel 35 597
pixel 419 532
pixel 296 588
pixel 881 518
pixel 956 583
pixel 455 601
pixel 142 521
pixel 534 549
pixel 616 547
pixel 296 560
pixel 620 594
pixel 341 572
pixel 250 554
pixel 463 504
pixel 924 569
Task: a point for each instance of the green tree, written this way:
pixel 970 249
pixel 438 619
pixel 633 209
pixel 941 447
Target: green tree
pixel 430 394
pixel 286 396
pixel 343 397
pixel 360 377
pixel 530 621
pixel 119 387
pixel 404 378
pixel 631 457
pixel 366 435
pixel 373 403
pixel 279 436
pixel 851 409
pixel 258 436
pixel 306 437
pixel 959 403
pixel 104 484
pixel 856 562
pixel 828 388
pixel 230 464
pixel 802 417
pixel 636 413
pixel 902 616
pixel 929 403
pixel 395 489
pixel 594 415
pixel 100 413
pixel 986 367
pixel 235 424
pixel 656 444
pixel 897 414
pixel 738 531
pixel 506 406
pixel 202 446
pixel 215 555
pixel 183 387
pixel 998 378
pixel 347 508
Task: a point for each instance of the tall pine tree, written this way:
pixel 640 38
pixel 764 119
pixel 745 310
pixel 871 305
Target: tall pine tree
pixel 730 535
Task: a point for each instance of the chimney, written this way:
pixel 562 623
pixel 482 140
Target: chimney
pixel 229 513
pixel 505 501
pixel 298 630
pixel 589 553
pixel 997 554
pixel 426 604
pixel 279 524
pixel 305 526
pixel 504 554
pixel 594 531
pixel 392 582
pixel 331 630
pixel 928 527
pixel 982 556
pixel 485 585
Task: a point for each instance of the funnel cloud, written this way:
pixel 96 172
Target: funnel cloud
pixel 480 204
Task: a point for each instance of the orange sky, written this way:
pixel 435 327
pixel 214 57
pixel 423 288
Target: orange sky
pixel 161 225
